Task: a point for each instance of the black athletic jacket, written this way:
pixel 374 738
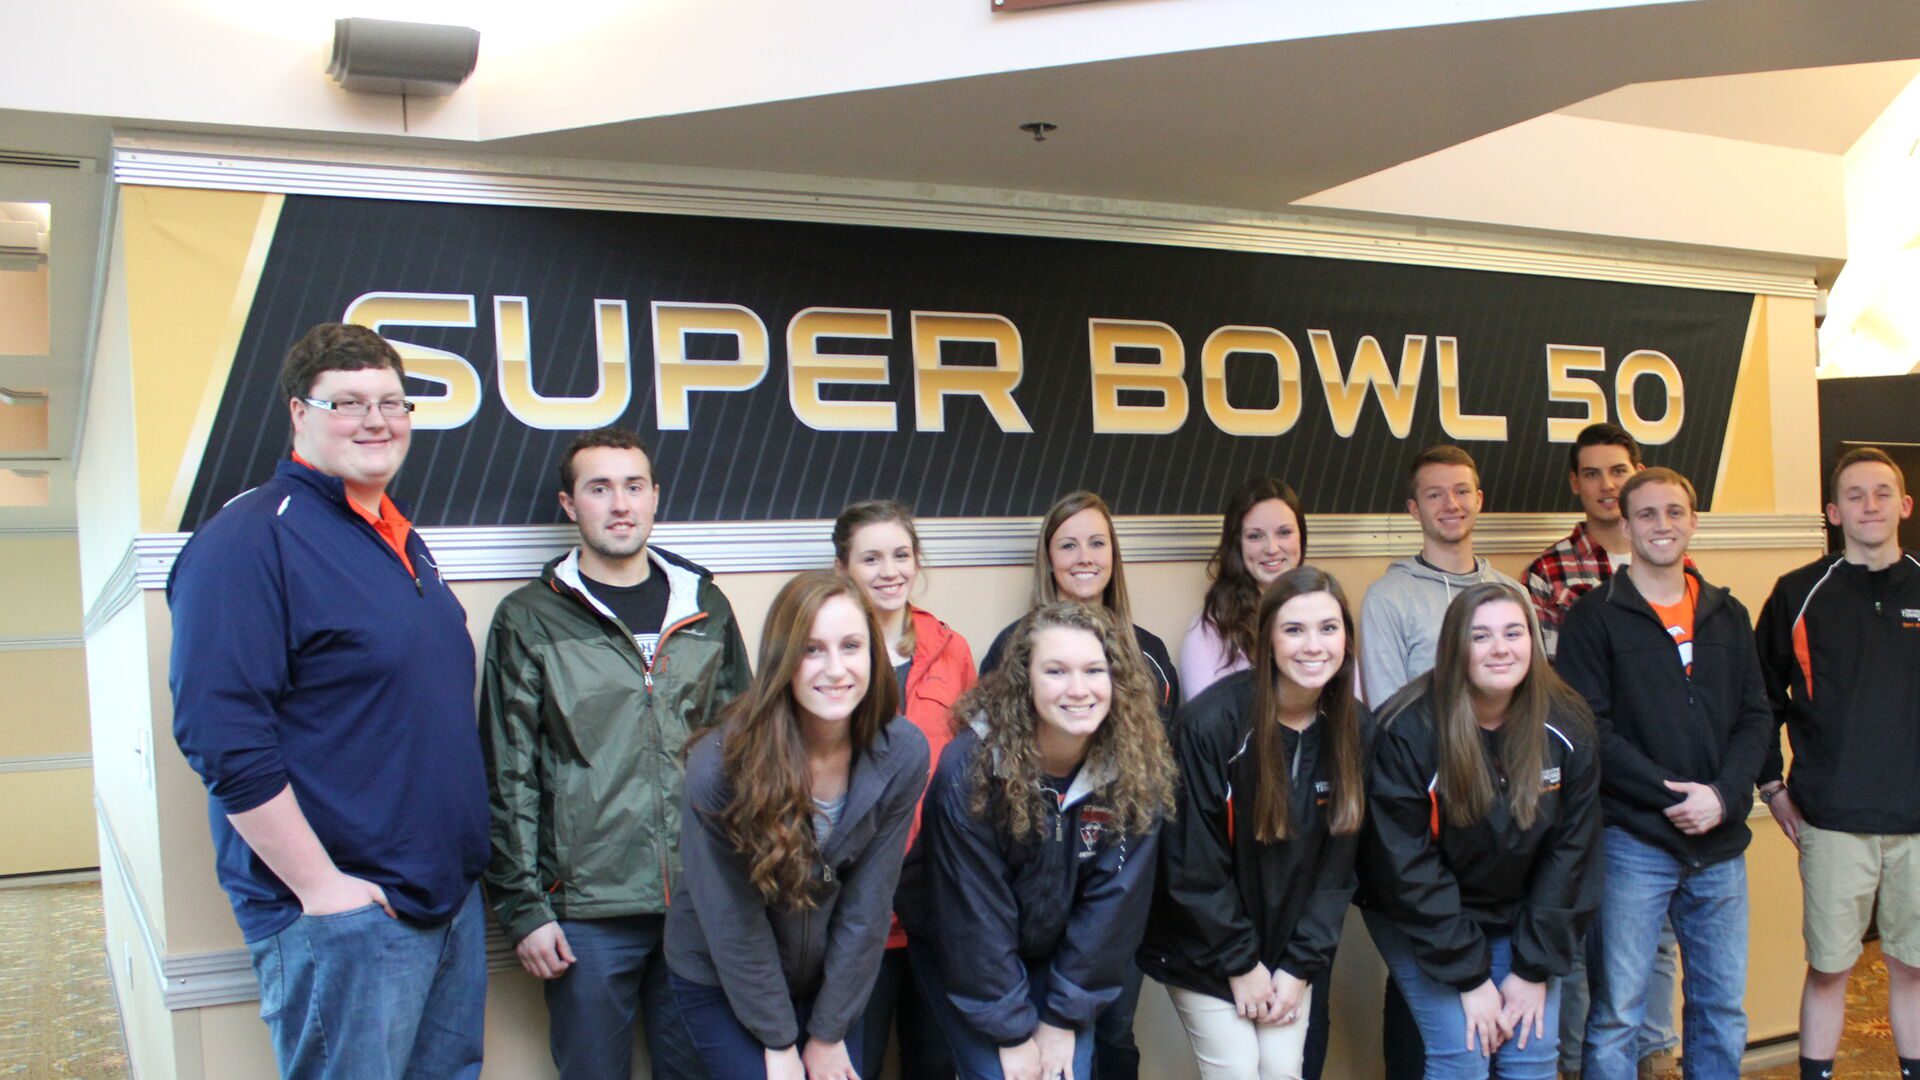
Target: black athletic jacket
pixel 1451 888
pixel 1657 723
pixel 1076 894
pixel 1225 900
pixel 1841 649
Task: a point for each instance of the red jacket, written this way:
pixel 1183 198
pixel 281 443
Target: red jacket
pixel 942 671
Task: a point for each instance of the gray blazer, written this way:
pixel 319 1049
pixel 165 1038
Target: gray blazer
pixel 720 932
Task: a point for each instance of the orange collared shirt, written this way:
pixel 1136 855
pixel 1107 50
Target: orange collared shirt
pixel 391 524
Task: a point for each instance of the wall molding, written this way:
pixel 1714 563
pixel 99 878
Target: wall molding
pixel 35 644
pixel 163 160
pixel 39 530
pixel 225 976
pixel 46 763
pixel 120 589
pixel 505 553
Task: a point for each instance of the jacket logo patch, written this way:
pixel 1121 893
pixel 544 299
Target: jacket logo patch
pixel 1094 821
pixel 1321 787
pixel 1550 779
pixel 1910 613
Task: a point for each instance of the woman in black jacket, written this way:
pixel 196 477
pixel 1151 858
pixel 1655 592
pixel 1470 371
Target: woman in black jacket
pixel 1028 890
pixel 1256 869
pixel 1482 837
pixel 796 821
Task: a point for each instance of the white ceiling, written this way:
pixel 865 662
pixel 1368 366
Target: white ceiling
pixel 1824 109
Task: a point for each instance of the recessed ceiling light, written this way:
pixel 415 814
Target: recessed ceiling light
pixel 1038 129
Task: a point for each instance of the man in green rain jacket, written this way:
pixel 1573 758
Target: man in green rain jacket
pixel 596 675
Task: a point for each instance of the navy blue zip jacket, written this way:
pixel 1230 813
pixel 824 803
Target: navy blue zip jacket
pixel 1077 894
pixel 306 654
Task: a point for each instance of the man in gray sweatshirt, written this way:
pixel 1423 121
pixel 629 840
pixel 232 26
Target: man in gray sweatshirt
pixel 1399 629
pixel 1400 618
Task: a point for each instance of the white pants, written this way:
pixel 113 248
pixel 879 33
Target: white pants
pixel 1228 1046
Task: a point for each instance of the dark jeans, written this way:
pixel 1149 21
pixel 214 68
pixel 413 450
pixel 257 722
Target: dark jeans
pixel 618 972
pixel 729 1050
pixel 1401 1046
pixel 1115 1055
pixel 366 996
pixel 976 1057
pixel 898 1002
pixel 1315 1057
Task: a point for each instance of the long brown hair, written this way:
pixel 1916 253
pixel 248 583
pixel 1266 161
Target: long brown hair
pixel 876 512
pixel 1235 594
pixel 769 817
pixel 1132 741
pixel 1346 799
pixel 1045 589
pixel 1465 786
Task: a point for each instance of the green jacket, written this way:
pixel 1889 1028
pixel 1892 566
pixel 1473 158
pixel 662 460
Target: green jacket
pixel 583 742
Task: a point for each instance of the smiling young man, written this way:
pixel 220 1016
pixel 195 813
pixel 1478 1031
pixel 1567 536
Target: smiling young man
pixel 1840 640
pixel 323 689
pixel 1400 617
pixel 596 675
pixel 1602 459
pixel 1667 661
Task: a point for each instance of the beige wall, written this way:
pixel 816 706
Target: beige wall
pixel 46 786
pixel 23 312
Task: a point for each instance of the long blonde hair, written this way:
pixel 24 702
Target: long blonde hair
pixel 1045 589
pixel 1005 776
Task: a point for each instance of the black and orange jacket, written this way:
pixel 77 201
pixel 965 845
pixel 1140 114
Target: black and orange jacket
pixel 1225 900
pixel 583 738
pixel 1451 888
pixel 1840 645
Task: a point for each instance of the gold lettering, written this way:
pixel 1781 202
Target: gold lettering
pixel 675 377
pixel 1164 377
pixel 1256 340
pixel 808 369
pixel 513 353
pixel 1566 388
pixel 1458 424
pixel 933 382
pixel 461 401
pixel 1347 396
pixel 1647 362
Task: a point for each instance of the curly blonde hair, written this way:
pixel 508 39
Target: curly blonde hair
pixel 1132 741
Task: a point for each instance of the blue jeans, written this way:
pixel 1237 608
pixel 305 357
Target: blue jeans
pixel 1657 1035
pixel 618 968
pixel 1708 906
pixel 976 1057
pixel 1443 1022
pixel 1115 1055
pixel 729 1050
pixel 364 996
pixel 898 1003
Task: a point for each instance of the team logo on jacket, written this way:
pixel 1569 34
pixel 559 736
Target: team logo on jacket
pixel 1322 790
pixel 1094 822
pixel 1550 779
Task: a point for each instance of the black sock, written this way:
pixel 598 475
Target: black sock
pixel 1816 1069
pixel 1910 1068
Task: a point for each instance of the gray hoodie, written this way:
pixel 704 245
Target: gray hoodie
pixel 1400 621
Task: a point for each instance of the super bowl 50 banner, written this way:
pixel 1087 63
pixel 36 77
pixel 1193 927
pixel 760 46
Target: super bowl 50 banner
pixel 782 369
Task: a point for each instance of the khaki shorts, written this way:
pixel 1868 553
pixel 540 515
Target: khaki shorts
pixel 1840 875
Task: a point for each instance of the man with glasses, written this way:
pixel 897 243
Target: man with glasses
pixel 323 688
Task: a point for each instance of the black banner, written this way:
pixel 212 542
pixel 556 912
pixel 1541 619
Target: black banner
pixel 1016 368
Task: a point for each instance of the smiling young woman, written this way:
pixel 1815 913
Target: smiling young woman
pixel 1484 794
pixel 1256 868
pixel 798 804
pixel 1263 534
pixel 1028 890
pixel 876 545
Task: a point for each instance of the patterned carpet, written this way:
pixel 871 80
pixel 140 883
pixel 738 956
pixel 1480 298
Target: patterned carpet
pixel 56 1004
pixel 1866 1047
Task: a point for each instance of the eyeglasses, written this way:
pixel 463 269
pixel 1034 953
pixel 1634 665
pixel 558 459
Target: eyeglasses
pixel 393 410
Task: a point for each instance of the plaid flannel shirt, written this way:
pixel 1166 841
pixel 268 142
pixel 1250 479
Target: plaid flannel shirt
pixel 1562 574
